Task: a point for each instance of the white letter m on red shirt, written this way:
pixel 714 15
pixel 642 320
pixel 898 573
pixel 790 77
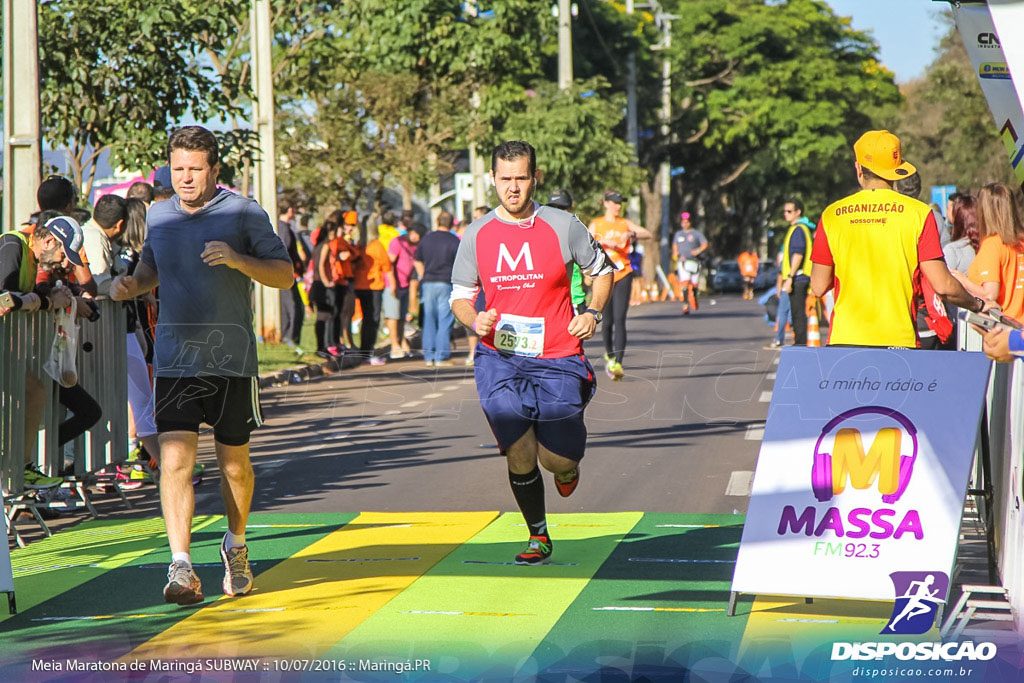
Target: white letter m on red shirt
pixel 504 255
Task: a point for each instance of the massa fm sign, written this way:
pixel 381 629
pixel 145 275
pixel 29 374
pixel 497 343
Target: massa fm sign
pixel 862 471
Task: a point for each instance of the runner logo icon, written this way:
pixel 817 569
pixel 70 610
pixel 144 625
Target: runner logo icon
pixel 918 595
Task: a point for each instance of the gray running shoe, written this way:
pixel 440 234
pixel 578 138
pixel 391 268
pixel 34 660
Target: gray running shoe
pixel 183 586
pixel 237 574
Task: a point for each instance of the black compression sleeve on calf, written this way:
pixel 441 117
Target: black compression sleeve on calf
pixel 528 490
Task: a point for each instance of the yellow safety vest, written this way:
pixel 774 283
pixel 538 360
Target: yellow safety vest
pixel 805 265
pixel 27 273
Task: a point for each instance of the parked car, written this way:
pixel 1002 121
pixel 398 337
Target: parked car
pixel 726 277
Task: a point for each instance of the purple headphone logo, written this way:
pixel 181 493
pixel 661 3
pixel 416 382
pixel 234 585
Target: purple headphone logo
pixel 882 460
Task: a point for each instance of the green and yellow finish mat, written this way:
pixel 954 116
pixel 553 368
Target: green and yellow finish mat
pixel 417 596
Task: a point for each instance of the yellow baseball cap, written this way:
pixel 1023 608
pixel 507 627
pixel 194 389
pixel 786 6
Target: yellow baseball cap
pixel 879 152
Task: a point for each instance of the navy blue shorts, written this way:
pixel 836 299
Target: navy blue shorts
pixel 548 394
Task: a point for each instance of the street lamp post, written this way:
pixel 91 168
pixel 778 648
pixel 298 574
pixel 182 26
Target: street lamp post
pixel 267 299
pixel 564 45
pixel 23 162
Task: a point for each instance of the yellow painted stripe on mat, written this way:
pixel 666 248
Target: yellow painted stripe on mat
pixel 800 628
pixel 476 603
pixel 305 604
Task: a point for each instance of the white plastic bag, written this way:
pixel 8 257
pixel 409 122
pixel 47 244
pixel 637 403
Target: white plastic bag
pixel 61 366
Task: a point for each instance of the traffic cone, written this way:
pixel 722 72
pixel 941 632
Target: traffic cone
pixel 813 333
pixel 676 286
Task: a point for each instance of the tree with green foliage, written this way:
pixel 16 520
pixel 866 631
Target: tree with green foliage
pixel 767 101
pixel 946 125
pixel 575 135
pixel 116 78
pixel 355 137
pixel 403 74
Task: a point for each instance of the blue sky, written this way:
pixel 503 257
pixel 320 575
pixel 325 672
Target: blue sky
pixel 908 31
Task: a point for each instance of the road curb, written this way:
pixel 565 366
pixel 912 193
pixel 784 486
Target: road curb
pixel 302 373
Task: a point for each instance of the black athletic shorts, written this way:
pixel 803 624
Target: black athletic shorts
pixel 231 405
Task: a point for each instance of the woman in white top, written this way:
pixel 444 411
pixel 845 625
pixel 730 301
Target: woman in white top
pixel 964 238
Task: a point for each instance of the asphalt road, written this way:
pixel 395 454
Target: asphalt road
pixel 679 434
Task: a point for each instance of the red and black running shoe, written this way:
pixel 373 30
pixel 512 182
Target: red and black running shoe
pixel 537 552
pixel 565 488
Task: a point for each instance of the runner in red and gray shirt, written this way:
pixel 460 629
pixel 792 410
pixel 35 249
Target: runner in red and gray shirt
pixel 533 379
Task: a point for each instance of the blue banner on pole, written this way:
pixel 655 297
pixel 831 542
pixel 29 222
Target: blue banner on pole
pixel 940 196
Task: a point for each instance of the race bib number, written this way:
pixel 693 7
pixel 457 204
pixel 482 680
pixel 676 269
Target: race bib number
pixel 519 335
pixel 691 266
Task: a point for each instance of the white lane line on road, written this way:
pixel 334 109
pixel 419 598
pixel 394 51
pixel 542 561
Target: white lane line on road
pixel 393 412
pixel 770 375
pixel 657 609
pixel 677 560
pixel 808 621
pixel 776 361
pixel 577 525
pixel 22 571
pixel 740 483
pixel 510 564
pixel 411 404
pixel 450 387
pixel 754 433
pixel 436 394
pixel 765 396
pixel 160 565
pixel 365 559
pixel 448 613
pixel 100 616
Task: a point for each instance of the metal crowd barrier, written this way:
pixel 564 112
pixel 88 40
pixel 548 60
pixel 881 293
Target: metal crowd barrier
pixel 1002 475
pixel 25 341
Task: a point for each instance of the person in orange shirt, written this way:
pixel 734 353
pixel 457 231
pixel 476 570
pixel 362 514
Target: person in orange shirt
pixel 748 269
pixel 368 271
pixel 999 266
pixel 615 233
pixel 321 289
pixel 341 254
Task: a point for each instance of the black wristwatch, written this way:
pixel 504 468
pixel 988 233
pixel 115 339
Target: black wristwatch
pixel 981 304
pixel 597 314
